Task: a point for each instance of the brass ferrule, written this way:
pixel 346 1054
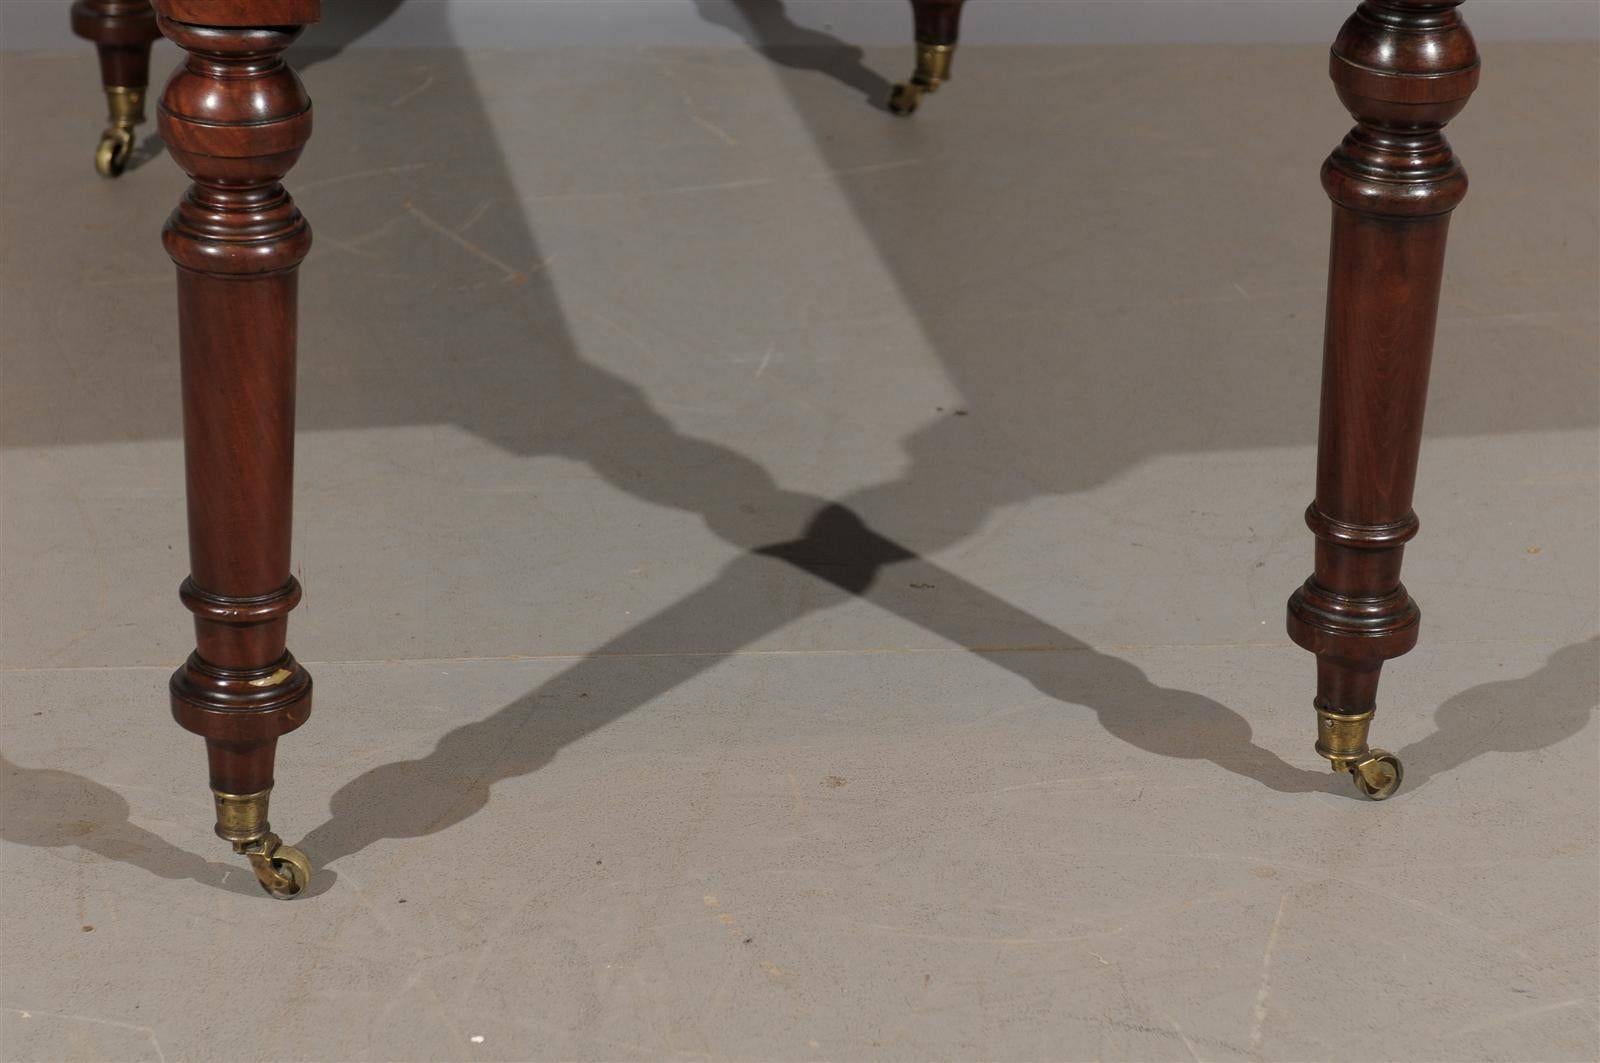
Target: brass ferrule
pixel 242 818
pixel 1342 738
pixel 126 105
pixel 933 64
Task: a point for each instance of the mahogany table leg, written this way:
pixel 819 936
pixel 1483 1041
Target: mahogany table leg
pixel 123 31
pixel 938 25
pixel 235 118
pixel 1403 68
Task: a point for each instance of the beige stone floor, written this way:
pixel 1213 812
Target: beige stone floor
pixel 1024 771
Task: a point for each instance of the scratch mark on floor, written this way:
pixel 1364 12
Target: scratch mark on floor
pixel 1193 1054
pixel 512 275
pixel 694 111
pixel 1501 1020
pixel 477 214
pixel 799 802
pixel 718 186
pixel 874 167
pixel 147 1031
pixel 978 939
pixel 711 127
pixel 303 187
pixel 409 94
pixel 367 906
pixel 1266 978
pixel 1078 780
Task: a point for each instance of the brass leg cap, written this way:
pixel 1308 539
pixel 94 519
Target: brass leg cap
pixel 1378 775
pixel 933 70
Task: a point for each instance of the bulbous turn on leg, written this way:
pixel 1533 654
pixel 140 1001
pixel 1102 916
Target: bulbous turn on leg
pixel 236 118
pixel 1402 68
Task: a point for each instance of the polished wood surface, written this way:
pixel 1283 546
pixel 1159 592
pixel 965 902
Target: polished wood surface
pixel 236 118
pixel 1403 69
pixel 937 21
pixel 122 31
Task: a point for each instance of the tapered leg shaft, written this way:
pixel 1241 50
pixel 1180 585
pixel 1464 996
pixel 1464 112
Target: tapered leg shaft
pixel 938 28
pixel 1403 69
pixel 123 31
pixel 235 117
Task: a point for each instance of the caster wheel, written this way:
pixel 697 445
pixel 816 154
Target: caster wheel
pixel 116 148
pixel 1379 775
pixel 904 98
pixel 292 873
pixel 282 870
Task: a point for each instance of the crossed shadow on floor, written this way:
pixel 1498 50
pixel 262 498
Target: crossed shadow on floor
pixel 847 556
pixel 549 400
pixel 61 810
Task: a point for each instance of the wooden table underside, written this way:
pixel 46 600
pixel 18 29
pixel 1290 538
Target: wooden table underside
pixel 235 118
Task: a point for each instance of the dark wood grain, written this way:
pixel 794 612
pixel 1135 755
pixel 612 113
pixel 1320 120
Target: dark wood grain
pixel 122 31
pixel 937 21
pixel 1403 69
pixel 236 118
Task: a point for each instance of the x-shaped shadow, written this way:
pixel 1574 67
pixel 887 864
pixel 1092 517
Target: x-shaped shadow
pixel 416 797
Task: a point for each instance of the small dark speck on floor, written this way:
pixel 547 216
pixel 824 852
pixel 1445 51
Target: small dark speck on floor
pixel 834 781
pixel 87 928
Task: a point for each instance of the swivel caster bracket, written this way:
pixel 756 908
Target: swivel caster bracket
pixel 126 106
pixel 282 870
pixel 1342 739
pixel 933 70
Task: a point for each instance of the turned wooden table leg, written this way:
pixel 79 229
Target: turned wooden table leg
pixel 1403 68
pixel 235 118
pixel 938 26
pixel 123 31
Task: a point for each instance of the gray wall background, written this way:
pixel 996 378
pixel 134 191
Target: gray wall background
pixel 30 24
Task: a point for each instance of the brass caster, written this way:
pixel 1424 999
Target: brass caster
pixel 282 870
pixel 1379 775
pixel 933 70
pixel 116 148
pixel 904 98
pixel 1342 739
